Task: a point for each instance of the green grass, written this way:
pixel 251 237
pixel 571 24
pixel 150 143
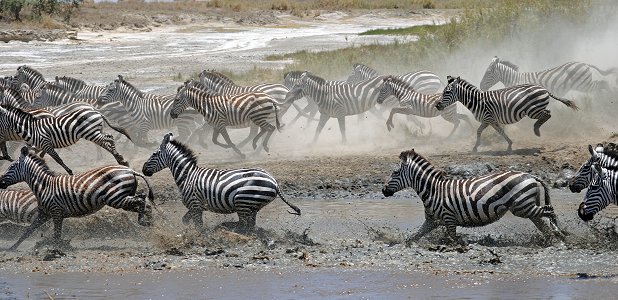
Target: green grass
pixel 414 30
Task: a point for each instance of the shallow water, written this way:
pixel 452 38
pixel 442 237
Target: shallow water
pixel 358 254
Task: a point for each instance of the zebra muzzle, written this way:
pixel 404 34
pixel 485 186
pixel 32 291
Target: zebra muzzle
pixel 387 192
pixel 581 212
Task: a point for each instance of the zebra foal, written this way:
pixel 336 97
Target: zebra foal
pixel 66 196
pixel 240 191
pixel 471 202
pixel 504 106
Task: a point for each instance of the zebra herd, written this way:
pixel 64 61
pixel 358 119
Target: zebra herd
pixel 50 115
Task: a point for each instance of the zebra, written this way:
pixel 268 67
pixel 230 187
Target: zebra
pixel 80 88
pixel 52 94
pixel 18 207
pixel 338 101
pixel 223 85
pixel 65 196
pixel 600 193
pixel 49 133
pixel 604 156
pixel 30 76
pixel 504 106
pixel 415 103
pixel 241 191
pixel 572 76
pixel 422 81
pixel 148 112
pixel 290 79
pixel 221 111
pixel 471 202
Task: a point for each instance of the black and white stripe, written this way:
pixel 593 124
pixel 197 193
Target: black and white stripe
pixel 80 88
pixel 412 102
pixel 572 76
pixel 499 107
pixel 422 81
pixel 600 193
pixel 30 76
pixel 338 101
pixel 471 202
pixel 223 85
pixel 240 191
pixel 19 207
pixel 238 111
pixel 52 94
pixel 605 156
pixel 49 133
pixel 65 196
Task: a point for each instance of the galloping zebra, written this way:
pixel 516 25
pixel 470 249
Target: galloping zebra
pixel 51 94
pixel 221 111
pixel 19 207
pixel 49 133
pixel 504 106
pixel 30 76
pixel 471 202
pixel 148 112
pixel 221 84
pixel 81 89
pixel 338 101
pixel 241 191
pixel 604 156
pixel 290 79
pixel 576 76
pixel 422 81
pixel 65 196
pixel 414 103
pixel 600 193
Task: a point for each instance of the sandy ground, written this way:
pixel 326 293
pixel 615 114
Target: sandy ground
pixel 348 240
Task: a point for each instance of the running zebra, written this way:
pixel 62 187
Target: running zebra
pixel 422 81
pixel 49 133
pixel 338 101
pixel 471 202
pixel 30 76
pixel 221 111
pixel 222 85
pixel 80 88
pixel 148 112
pixel 66 196
pixel 415 103
pixel 53 95
pixel 604 156
pixel 504 106
pixel 290 79
pixel 600 193
pixel 241 191
pixel 572 76
pixel 19 207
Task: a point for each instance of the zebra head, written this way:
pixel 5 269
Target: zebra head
pixel 181 100
pixel 600 193
pixel 584 175
pixel 400 177
pixel 292 78
pixel 450 94
pixel 492 75
pixel 389 87
pixel 159 159
pixel 17 170
pixel 110 94
pixel 361 72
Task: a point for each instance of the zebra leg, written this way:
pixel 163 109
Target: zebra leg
pixel 341 121
pixel 40 220
pixel 195 216
pixel 5 152
pixel 428 226
pixel 500 130
pixel 57 238
pixel 136 204
pixel 543 117
pixel 269 133
pixel 323 119
pixel 246 220
pixel 399 110
pixel 453 120
pixel 253 132
pixel 223 132
pixel 478 136
pixel 107 142
pixel 57 158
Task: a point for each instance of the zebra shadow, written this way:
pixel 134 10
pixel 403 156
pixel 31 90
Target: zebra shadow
pixel 526 151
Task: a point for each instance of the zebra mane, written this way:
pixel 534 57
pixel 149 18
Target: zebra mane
pixel 30 71
pixel 466 85
pixel 217 78
pixel 71 80
pixel 185 151
pixel 611 150
pixel 410 155
pixel 130 86
pixel 366 68
pixel 293 74
pixel 56 88
pixel 509 64
pixel 319 80
pixel 40 162
pixel 401 83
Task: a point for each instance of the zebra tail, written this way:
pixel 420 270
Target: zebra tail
pixel 566 102
pixel 150 192
pixel 118 129
pixel 294 207
pixel 277 122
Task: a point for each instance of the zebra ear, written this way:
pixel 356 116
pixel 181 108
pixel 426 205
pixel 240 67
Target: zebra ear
pixel 495 59
pixel 25 150
pixel 167 138
pixel 591 150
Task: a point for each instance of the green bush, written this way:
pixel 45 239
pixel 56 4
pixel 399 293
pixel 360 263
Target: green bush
pixel 11 9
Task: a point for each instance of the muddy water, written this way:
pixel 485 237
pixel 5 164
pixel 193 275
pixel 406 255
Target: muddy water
pixel 337 248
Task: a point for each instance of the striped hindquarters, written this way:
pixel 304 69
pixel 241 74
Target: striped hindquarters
pixel 18 206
